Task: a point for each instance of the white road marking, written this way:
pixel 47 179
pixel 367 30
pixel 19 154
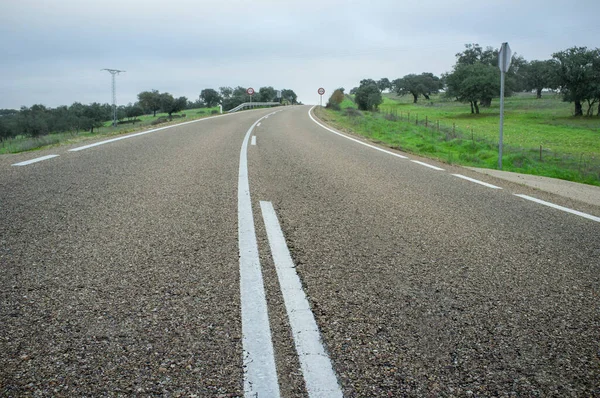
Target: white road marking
pixel 427 165
pixel 354 139
pixel 319 375
pixel 26 162
pixel 260 375
pixel 566 209
pixel 258 125
pixel 142 133
pixel 253 140
pixel 485 184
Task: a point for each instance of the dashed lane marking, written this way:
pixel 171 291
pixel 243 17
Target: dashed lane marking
pixel 319 376
pixel 485 184
pixel 26 162
pixel 427 165
pixel 566 209
pixel 253 140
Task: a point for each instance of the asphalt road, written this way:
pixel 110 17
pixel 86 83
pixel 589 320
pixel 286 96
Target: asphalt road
pixel 121 270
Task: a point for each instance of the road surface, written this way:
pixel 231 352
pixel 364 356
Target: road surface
pixel 261 254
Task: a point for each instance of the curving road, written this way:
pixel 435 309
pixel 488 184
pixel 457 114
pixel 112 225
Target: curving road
pixel 261 254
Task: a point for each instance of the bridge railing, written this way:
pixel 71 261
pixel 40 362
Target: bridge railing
pixel 252 105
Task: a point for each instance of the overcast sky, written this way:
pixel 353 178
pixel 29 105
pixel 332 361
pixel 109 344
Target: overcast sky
pixel 51 52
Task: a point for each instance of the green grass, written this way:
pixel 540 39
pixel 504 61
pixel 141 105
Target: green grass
pixel 24 143
pixel 570 146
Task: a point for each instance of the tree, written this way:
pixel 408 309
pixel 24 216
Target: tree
pixel 226 92
pixel 337 97
pixel 266 94
pixel 472 82
pixel 368 97
pixel 384 84
pixel 133 111
pixel 171 105
pixel 578 76
pixel 424 84
pixel 95 115
pixel 150 101
pixel 210 97
pixel 289 95
pixel 538 75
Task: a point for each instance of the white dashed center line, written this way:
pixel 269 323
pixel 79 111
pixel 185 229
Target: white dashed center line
pixel 253 140
pixel 566 209
pixel 25 163
pixel 485 184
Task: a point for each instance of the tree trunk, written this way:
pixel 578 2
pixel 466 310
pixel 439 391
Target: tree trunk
pixel 472 109
pixel 578 109
pixel 154 113
pixel 426 96
pixel 476 107
pixel 538 93
pixel 598 114
pixel 486 102
pixel 415 97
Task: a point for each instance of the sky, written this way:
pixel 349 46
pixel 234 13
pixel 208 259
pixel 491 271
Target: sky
pixel 52 52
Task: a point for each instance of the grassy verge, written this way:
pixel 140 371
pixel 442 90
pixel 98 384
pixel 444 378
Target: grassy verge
pixel 24 143
pixel 454 145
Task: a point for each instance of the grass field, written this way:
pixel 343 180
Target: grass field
pixel 23 143
pixel 570 147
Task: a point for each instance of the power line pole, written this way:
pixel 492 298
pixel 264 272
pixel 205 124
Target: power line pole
pixel 114 72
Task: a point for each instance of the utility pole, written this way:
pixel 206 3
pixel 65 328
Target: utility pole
pixel 114 72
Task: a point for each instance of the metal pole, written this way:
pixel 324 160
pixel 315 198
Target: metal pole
pixel 114 98
pixel 500 144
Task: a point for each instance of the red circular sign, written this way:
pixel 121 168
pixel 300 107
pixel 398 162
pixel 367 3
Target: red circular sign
pixel 250 91
pixel 321 91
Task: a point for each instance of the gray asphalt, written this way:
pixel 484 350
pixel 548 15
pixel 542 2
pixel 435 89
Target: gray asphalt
pixel 120 271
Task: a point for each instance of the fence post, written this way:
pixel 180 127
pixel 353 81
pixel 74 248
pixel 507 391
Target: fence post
pixel 417 118
pixel 438 126
pixel 540 153
pixel 453 130
pixel 426 121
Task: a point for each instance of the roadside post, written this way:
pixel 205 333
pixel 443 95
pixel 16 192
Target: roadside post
pixel 250 92
pixel 321 91
pixel 504 58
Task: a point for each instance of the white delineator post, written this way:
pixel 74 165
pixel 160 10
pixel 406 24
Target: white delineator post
pixel 504 58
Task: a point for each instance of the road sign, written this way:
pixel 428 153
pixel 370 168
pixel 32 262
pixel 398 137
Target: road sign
pixel 250 91
pixel 504 57
pixel 278 93
pixel 321 91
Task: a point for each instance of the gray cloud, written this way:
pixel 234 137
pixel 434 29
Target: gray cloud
pixel 52 53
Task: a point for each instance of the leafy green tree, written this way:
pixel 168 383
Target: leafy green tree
pixel 226 92
pixel 267 94
pixel 95 114
pixel 289 95
pixel 150 101
pixel 133 111
pixel 170 105
pixel 384 84
pixel 472 82
pixel 578 76
pixel 210 97
pixel 539 75
pixel 424 84
pixel 368 97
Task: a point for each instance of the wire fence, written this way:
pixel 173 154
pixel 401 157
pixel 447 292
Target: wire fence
pixel 573 166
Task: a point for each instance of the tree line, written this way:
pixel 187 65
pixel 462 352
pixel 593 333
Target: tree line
pixel 39 120
pixel 475 80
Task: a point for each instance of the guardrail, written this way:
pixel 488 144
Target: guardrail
pixel 252 105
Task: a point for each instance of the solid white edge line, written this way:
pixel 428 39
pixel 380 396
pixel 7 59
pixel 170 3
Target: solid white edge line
pixel 485 184
pixel 427 165
pixel 253 140
pixel 565 209
pixel 260 374
pixel 319 376
pixel 26 162
pixel 353 139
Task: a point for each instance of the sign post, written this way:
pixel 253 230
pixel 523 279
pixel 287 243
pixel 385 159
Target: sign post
pixel 250 92
pixel 504 58
pixel 321 91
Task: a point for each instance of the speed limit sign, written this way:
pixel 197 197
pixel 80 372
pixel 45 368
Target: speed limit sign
pixel 321 91
pixel 250 91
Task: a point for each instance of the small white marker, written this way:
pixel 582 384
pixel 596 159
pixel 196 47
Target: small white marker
pixel 566 209
pixel 485 184
pixel 427 165
pixel 258 125
pixel 25 163
pixel 253 140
